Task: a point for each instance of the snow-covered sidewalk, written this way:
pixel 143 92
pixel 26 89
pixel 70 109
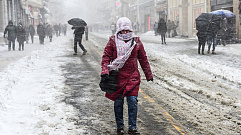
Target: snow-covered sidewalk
pixel 31 92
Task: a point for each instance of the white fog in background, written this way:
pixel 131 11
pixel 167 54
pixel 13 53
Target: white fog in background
pixel 83 9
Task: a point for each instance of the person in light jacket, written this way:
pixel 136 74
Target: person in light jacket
pixel 120 54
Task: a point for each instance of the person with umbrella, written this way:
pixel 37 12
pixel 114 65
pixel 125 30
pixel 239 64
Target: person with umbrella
pixel 202 26
pixel 78 32
pixel 79 28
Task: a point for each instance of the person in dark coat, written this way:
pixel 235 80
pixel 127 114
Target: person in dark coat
pixel 27 34
pixel 50 32
pixel 202 37
pixel 21 36
pixel 56 29
pixel 162 29
pixel 203 23
pixel 212 34
pixel 120 54
pixel 78 32
pixel 32 32
pixel 86 32
pixel 59 29
pixel 41 33
pixel 12 33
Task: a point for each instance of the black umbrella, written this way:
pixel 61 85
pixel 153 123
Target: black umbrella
pixel 77 22
pixel 203 21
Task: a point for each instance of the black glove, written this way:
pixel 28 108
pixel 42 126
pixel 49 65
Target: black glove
pixel 150 80
pixel 73 28
pixel 104 77
pixel 4 36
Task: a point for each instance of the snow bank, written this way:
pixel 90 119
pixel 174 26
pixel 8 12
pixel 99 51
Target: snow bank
pixel 31 92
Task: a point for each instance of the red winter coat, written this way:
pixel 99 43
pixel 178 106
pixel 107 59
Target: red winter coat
pixel 128 77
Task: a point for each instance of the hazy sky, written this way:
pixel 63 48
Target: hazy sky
pixel 76 8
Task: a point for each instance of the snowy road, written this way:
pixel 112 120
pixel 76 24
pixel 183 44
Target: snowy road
pixel 201 92
pixel 52 92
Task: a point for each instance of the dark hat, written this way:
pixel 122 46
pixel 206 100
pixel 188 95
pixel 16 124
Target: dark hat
pixel 10 22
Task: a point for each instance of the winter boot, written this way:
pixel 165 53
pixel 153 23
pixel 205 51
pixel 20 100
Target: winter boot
pixel 213 52
pixel 13 47
pixel 84 52
pixel 133 132
pixel 120 131
pixel 165 42
pixel 202 50
pixel 75 53
pixel 208 50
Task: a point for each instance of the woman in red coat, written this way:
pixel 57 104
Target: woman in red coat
pixel 121 53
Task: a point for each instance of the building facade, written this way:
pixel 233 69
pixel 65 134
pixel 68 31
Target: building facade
pixel 24 11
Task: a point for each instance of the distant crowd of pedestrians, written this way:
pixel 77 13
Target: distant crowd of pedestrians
pixel 22 33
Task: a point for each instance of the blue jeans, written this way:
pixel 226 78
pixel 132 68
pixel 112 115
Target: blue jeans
pixel 132 111
pixel 212 40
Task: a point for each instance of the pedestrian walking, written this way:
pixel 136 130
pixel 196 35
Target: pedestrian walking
pixel 202 38
pixel 121 53
pixel 56 29
pixel 41 33
pixel 50 32
pixel 59 29
pixel 212 34
pixel 65 29
pixel 174 27
pixel 12 33
pixel 86 32
pixel 27 34
pixel 32 32
pixel 155 28
pixel 46 30
pixel 169 28
pixel 162 29
pixel 223 31
pixel 21 36
pixel 78 32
